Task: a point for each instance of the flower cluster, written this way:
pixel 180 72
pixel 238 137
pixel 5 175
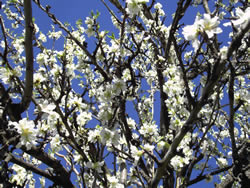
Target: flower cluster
pixel 174 88
pixel 241 18
pixel 134 6
pixel 180 161
pixel 207 25
pixel 22 177
pixel 28 132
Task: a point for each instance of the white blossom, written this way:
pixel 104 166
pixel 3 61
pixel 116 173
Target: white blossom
pixel 27 131
pixel 55 143
pixel 148 147
pixel 223 52
pixel 136 154
pixel 221 161
pixel 94 135
pixel 114 182
pixel 242 17
pixel 191 32
pixel 109 137
pixel 95 166
pixel 134 6
pixel 22 177
pixel 42 37
pixel 149 129
pixel 119 86
pixel 55 35
pixel 210 25
pixel 90 27
pixel 83 117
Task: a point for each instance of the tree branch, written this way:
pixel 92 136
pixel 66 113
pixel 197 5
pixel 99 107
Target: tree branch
pixel 30 167
pixel 200 178
pixel 62 176
pixel 236 42
pixel 206 7
pixel 91 57
pixel 231 112
pixel 29 27
pixel 171 152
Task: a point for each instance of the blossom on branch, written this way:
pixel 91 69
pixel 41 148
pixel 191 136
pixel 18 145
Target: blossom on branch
pixel 27 131
pixel 207 25
pixel 210 25
pixel 128 106
pixel 242 17
pixel 134 6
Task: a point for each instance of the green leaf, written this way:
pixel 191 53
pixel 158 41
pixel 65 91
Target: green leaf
pixel 92 13
pixel 13 1
pixel 112 36
pixel 66 24
pixel 97 14
pixel 79 22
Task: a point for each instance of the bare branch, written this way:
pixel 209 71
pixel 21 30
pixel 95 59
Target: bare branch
pixel 200 178
pixel 206 7
pixel 29 27
pixel 232 112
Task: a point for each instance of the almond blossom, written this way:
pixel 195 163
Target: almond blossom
pixel 242 17
pixel 210 25
pixel 191 32
pixel 27 131
pixel 134 6
pixel 207 25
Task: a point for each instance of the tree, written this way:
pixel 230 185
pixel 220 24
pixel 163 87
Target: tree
pixel 89 118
